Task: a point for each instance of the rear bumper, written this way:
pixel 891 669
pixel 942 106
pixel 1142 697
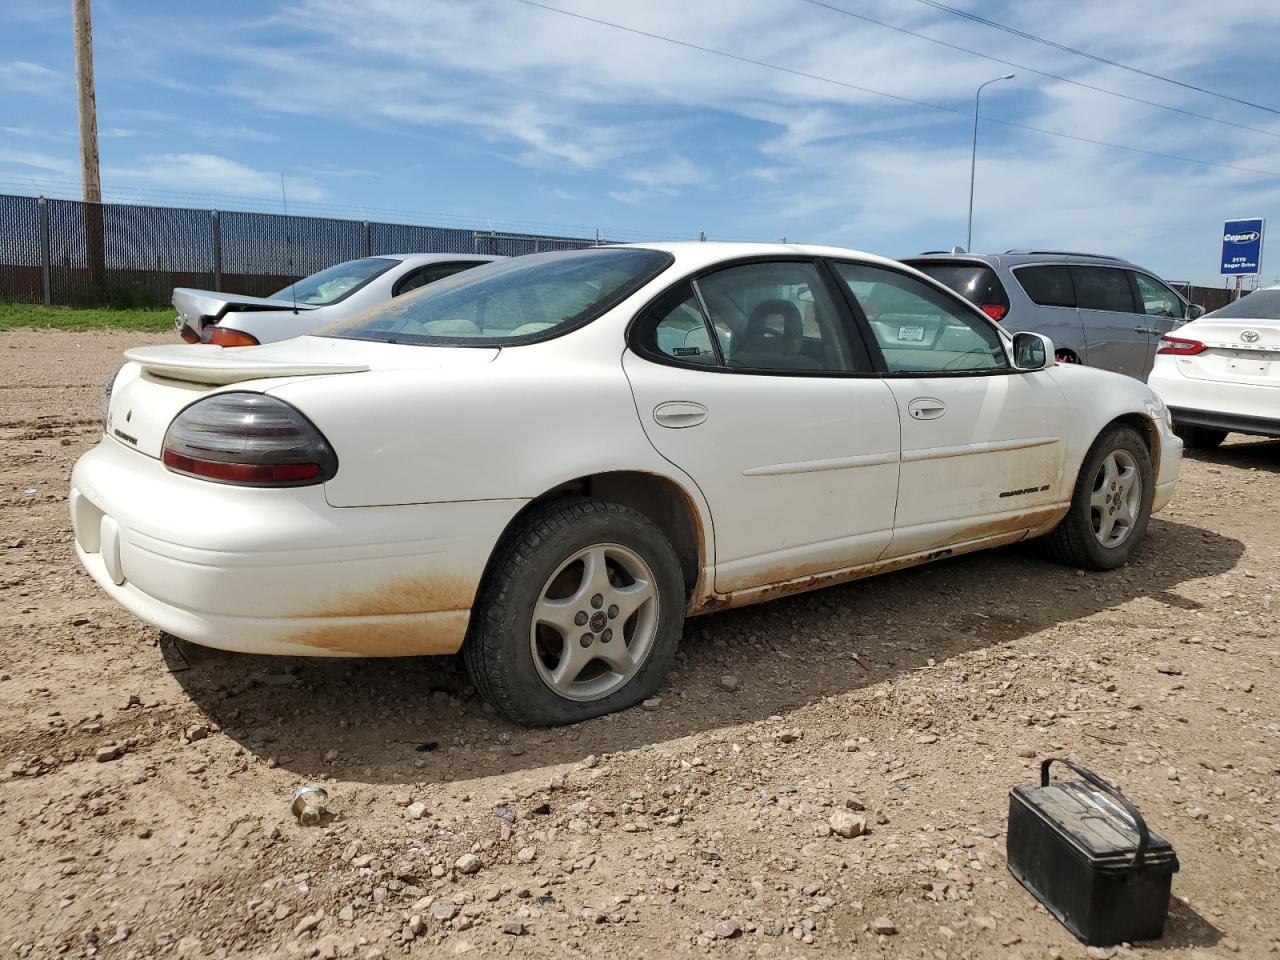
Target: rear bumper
pixel 1231 422
pixel 279 571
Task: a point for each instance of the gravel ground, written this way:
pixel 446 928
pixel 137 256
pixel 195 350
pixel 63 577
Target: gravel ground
pixel 145 785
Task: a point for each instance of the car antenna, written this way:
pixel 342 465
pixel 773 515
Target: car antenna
pixel 293 287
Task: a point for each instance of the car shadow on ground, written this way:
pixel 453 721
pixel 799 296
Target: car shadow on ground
pixel 1250 453
pixel 417 720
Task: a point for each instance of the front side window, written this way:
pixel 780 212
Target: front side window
pixel 918 329
pixel 1156 299
pixel 776 317
pixel 1048 285
pixel 1102 288
pixel 336 283
pixel 510 301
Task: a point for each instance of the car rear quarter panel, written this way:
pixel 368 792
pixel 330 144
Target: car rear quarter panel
pixel 537 417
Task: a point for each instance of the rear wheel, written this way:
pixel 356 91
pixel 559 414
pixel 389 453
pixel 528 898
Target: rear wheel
pixel 1110 505
pixel 1199 438
pixel 580 616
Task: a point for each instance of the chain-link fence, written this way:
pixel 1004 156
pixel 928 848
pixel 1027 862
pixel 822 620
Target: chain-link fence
pixel 122 255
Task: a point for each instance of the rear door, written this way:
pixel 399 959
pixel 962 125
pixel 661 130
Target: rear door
pixel 747 379
pixel 1115 332
pixel 982 450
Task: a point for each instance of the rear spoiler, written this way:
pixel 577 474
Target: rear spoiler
pixel 206 363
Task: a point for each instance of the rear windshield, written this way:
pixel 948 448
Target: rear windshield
pixel 336 283
pixel 510 301
pixel 976 282
pixel 1260 305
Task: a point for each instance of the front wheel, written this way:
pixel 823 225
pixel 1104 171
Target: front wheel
pixel 1199 438
pixel 1110 505
pixel 580 615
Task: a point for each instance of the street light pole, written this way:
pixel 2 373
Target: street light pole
pixel 973 158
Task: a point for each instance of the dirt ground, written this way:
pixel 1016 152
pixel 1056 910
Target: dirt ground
pixel 145 785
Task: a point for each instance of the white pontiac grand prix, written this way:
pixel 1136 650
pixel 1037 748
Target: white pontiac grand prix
pixel 549 462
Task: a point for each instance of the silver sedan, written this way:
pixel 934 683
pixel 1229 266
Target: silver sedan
pixel 312 303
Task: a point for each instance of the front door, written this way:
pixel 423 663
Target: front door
pixel 747 379
pixel 1115 333
pixel 982 444
pixel 1162 309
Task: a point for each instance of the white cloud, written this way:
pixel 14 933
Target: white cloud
pixel 200 173
pixel 32 160
pixel 827 162
pixel 22 76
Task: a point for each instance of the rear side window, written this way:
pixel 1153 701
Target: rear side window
pixel 1048 285
pixel 1102 288
pixel 680 332
pixel 429 274
pixel 976 282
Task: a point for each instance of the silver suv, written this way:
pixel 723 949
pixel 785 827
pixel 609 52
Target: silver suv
pixel 1101 311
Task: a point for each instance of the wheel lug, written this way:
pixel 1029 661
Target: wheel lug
pixel 586 640
pixel 613 610
pixel 606 636
pixel 580 618
pixel 597 601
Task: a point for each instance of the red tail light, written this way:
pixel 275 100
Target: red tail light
pixel 248 439
pixel 996 311
pixel 226 337
pixel 1177 347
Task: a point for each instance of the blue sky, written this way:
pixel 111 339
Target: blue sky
pixel 496 112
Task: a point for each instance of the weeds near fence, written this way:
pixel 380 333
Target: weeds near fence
pixel 14 315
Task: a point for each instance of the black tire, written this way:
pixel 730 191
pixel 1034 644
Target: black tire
pixel 1074 541
pixel 500 651
pixel 1199 438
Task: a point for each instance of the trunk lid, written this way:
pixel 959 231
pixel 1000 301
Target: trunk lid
pixel 159 382
pixel 1238 351
pixel 199 308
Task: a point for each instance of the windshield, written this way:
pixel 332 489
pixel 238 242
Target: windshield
pixel 510 301
pixel 1260 305
pixel 331 285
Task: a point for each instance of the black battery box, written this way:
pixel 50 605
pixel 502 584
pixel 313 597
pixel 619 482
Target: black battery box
pixel 1084 851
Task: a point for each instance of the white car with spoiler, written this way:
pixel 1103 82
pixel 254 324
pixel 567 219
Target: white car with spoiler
pixel 1221 374
pixel 549 462
pixel 314 302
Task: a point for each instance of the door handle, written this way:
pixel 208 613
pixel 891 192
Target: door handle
pixel 1145 330
pixel 926 408
pixel 678 414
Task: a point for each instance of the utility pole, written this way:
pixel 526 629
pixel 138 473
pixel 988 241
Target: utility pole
pixel 86 104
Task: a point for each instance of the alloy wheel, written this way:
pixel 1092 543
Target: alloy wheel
pixel 1116 499
pixel 595 622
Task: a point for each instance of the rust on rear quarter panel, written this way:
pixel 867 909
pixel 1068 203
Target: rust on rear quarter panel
pixel 408 635
pixel 405 595
pixel 406 617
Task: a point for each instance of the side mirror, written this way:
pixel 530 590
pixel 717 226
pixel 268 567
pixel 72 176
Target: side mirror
pixel 1195 311
pixel 1032 351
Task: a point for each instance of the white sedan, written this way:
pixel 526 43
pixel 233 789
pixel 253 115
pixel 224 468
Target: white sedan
pixel 550 461
pixel 312 303
pixel 1221 374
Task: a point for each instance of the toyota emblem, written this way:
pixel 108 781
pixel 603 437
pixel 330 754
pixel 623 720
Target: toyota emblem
pixel 1249 336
